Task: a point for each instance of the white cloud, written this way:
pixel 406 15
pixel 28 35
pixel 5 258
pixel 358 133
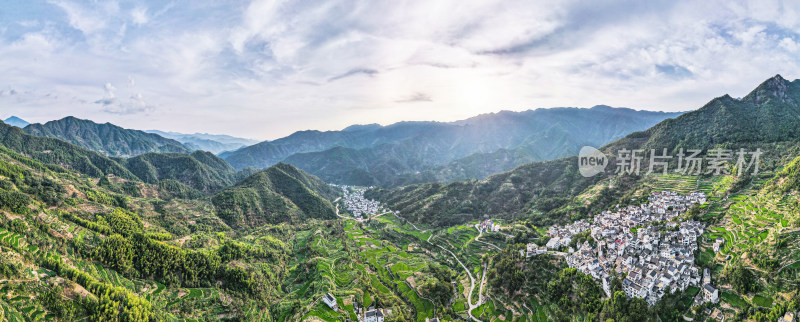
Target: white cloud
pixel 134 104
pixel 109 90
pixel 267 68
pixel 83 19
pixel 139 15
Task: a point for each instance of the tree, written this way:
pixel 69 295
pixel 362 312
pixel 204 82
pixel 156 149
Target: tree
pixel 743 280
pixel 116 252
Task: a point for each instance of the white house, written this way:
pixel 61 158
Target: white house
pixel 718 244
pixel 710 294
pixel 375 315
pixel 330 301
pixel 553 243
pixel 533 250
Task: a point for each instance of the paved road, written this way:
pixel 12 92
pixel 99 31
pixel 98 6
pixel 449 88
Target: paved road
pixel 471 285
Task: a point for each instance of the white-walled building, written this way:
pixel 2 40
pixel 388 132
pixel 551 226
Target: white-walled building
pixel 329 300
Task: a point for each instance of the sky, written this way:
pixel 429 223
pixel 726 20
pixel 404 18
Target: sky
pixel 264 69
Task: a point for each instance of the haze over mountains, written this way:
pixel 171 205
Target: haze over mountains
pixel 768 118
pixel 16 121
pixel 214 143
pixel 116 141
pixel 393 155
pixel 409 152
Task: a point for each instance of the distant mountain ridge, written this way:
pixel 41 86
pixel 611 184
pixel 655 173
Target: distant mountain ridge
pixel 106 138
pixel 16 121
pixel 214 143
pixel 413 152
pixel 60 153
pixel 268 153
pixel 200 170
pixel 768 118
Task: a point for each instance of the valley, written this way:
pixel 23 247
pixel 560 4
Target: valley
pixel 400 161
pixel 184 236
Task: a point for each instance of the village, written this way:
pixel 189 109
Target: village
pixel 355 202
pixel 649 246
pixel 646 244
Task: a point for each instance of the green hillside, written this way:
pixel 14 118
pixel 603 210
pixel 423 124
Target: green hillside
pixel 59 153
pixel 107 138
pixel 279 194
pixel 200 170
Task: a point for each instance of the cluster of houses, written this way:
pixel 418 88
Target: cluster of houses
pixel 645 242
pixel 355 202
pixel 562 235
pixel 370 314
pixel 488 226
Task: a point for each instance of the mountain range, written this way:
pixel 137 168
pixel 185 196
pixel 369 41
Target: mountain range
pixel 413 152
pixel 116 141
pixel 768 119
pixel 106 138
pixel 394 155
pixel 214 143
pixel 199 170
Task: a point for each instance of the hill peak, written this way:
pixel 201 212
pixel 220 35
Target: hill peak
pixel 774 87
pixel 362 127
pixel 16 121
pixel 107 138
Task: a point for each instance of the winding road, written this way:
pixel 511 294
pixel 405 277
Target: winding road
pixel 471 278
pixel 471 286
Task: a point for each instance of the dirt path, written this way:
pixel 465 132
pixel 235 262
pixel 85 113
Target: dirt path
pixel 480 233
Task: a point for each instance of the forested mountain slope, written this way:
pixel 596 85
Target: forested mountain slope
pixel 282 193
pixel 200 170
pixel 57 152
pixel 93 246
pixel 107 138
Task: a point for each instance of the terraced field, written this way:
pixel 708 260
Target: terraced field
pixel 752 224
pixel 682 184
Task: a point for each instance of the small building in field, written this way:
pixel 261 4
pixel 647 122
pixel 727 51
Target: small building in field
pixel 718 244
pixel 329 300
